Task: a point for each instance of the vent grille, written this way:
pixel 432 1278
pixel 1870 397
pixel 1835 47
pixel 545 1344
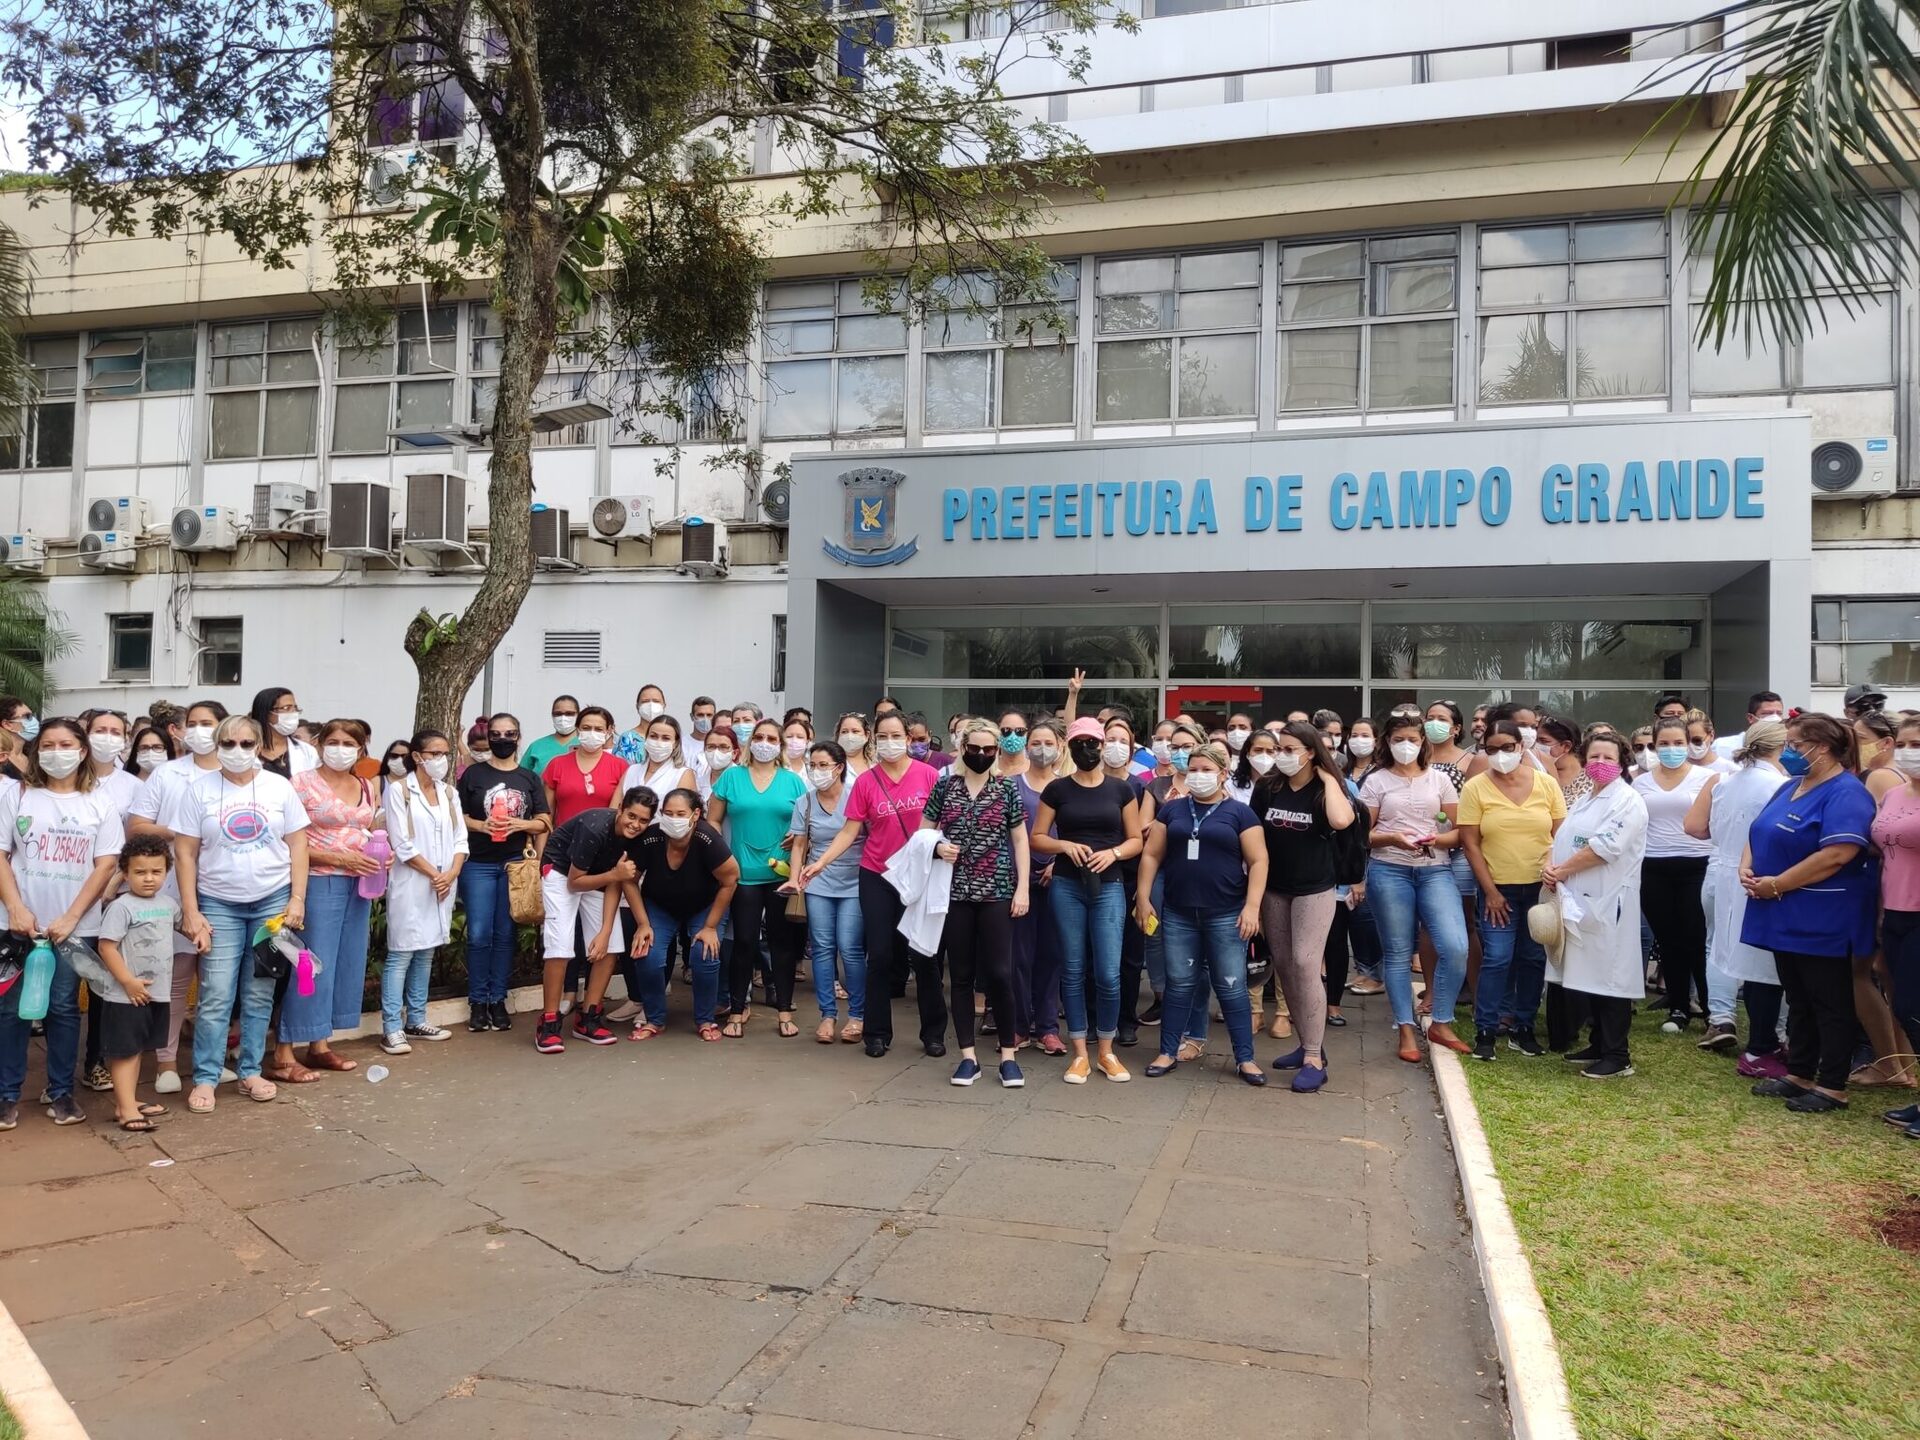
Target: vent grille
pixel 571 650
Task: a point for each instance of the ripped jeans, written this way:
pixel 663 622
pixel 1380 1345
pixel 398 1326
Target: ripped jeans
pixel 1185 932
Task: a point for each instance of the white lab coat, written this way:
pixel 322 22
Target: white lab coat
pixel 925 883
pixel 1735 801
pixel 1600 908
pixel 416 920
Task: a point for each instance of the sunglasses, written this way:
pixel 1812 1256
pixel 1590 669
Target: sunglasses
pixel 239 744
pixel 503 735
pixel 1012 730
pixel 980 750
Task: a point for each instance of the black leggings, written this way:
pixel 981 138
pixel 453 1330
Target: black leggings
pixel 1670 888
pixel 1820 1018
pixel 880 911
pixel 979 943
pixel 1900 947
pixel 752 903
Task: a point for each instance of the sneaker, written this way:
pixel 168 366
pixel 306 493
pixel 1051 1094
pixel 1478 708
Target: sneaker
pixel 479 1018
pixel 1607 1070
pixel 965 1073
pixel 1077 1072
pixel 1128 1037
pixel 46 1096
pixel 501 1019
pixel 10 1115
pixel 1585 1055
pixel 1486 1045
pixel 99 1080
pixel 1719 1037
pixel 1780 1089
pixel 1812 1102
pixel 989 1025
pixel 1675 1023
pixel 66 1111
pixel 1111 1067
pixel 588 1025
pixel 1761 1067
pixel 1011 1077
pixel 394 1042
pixel 1903 1117
pixel 427 1032
pixel 1052 1045
pixel 1523 1040
pixel 228 1075
pixel 625 1011
pixel 546 1035
pixel 1151 1015
pixel 167 1082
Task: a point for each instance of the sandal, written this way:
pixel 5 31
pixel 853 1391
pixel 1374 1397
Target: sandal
pixel 710 1031
pixel 824 1033
pixel 852 1032
pixel 646 1030
pixel 788 1029
pixel 200 1100
pixel 295 1074
pixel 139 1125
pixel 330 1060
pixel 734 1029
pixel 1190 1049
pixel 253 1086
pixel 149 1111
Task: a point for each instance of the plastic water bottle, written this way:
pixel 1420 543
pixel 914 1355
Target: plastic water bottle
pixel 36 980
pixel 374 884
pixel 303 972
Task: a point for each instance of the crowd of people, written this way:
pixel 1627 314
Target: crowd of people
pixel 1027 874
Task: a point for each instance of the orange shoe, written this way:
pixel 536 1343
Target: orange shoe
pixel 1078 1071
pixel 1111 1067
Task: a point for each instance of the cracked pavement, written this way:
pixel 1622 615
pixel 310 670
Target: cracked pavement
pixel 766 1237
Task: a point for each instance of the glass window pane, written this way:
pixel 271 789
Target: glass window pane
pixel 1742 365
pixel 1280 84
pixel 797 397
pixel 1829 668
pixel 873 332
pixel 1620 280
pixel 1467 64
pixel 1046 643
pixel 292 334
pixel 1892 664
pixel 1036 385
pixel 1155 272
pixel 1849 349
pixel 235 370
pixel 1826 619
pixel 53 436
pixel 1219 309
pixel 238 339
pixel 1373 74
pixel 1410 367
pixel 171 344
pixel 853 299
pixel 1338 300
pixel 1530 285
pixel 234 431
pixel 1414 247
pixel 1216 271
pixel 958 327
pixel 1023 322
pixel 1340 260
pixel 1411 288
pixel 1620 353
pixel 801 295
pixel 169 375
pixel 960 390
pixel 1099 104
pixel 292 365
pixel 872 394
pixel 1523 357
pixel 1120 314
pixel 351 361
pixel 1619 239
pixel 1263 642
pixel 1533 245
pixel 290 415
pixel 1217 375
pixel 360 419
pixel 425 402
pixel 1133 380
pixel 1650 639
pixel 1320 369
pixel 800 337
pixel 1186 94
pixel 1878 619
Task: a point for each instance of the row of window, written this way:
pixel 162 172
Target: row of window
pixel 217 644
pixel 1873 641
pixel 1575 310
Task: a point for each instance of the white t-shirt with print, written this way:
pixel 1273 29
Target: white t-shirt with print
pixel 53 841
pixel 242 830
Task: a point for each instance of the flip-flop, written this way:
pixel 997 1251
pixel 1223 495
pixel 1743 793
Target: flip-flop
pixel 149 1111
pixel 646 1031
pixel 710 1032
pixel 198 1104
pixel 788 1030
pixel 138 1126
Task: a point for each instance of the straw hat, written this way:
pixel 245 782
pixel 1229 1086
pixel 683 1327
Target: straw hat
pixel 1545 925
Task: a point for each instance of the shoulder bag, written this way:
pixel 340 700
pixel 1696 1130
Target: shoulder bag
pixel 523 888
pixel 797 902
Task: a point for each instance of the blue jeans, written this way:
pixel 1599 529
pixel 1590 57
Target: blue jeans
pixel 63 1029
pixel 1036 965
pixel 1513 965
pixel 1090 932
pixel 835 928
pixel 653 967
pixel 1155 958
pixel 1403 898
pixel 336 932
pixel 227 970
pixel 403 988
pixel 1189 933
pixel 14 1034
pixel 490 935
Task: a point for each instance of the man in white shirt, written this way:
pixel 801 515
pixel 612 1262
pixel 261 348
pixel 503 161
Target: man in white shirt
pixel 1761 705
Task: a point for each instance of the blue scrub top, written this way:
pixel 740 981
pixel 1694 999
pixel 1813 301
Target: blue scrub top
pixel 1836 916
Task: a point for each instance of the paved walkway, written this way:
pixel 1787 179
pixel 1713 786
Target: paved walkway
pixel 767 1238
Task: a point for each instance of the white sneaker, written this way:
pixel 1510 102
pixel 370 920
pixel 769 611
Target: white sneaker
pixel 395 1043
pixel 228 1075
pixel 167 1082
pixel 623 1012
pixel 427 1032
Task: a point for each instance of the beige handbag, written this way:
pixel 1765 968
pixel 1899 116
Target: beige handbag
pixel 523 888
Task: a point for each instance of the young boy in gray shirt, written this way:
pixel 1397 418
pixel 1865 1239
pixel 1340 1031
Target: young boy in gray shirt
pixel 136 974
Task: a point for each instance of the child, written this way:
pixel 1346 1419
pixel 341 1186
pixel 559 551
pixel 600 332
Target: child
pixel 136 950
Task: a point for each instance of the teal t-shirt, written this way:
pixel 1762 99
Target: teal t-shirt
pixel 545 749
pixel 757 819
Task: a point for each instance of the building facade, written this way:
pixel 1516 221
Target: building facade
pixel 1401 286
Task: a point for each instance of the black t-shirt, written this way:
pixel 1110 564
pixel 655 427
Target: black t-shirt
pixel 1094 815
pixel 1300 848
pixel 685 893
pixel 518 796
pixel 586 842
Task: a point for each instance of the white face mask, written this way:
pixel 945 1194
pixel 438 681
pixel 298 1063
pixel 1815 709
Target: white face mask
pixel 339 757
pixel 59 764
pixel 479 754
pixel 1289 762
pixel 764 750
pixel 1237 739
pixel 287 722
pixel 563 724
pixel 1115 753
pixel 150 760
pixel 1528 735
pixel 1362 746
pixel 1906 758
pixel 200 739
pixel 888 748
pixel 107 748
pixel 1162 751
pixel 1504 762
pixel 718 760
pixel 659 750
pixel 1643 757
pixel 853 742
pixel 650 711
pixel 236 761
pixel 1043 755
pixel 397 767
pixel 592 740
pixel 822 778
pixel 796 746
pixel 1405 752
pixel 435 767
pixel 1698 752
pixel 1203 783
pixel 676 827
pixel 1261 762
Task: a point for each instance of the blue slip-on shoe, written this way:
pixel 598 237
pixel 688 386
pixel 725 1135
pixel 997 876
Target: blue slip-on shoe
pixel 1310 1079
pixel 1011 1077
pixel 966 1072
pixel 1292 1060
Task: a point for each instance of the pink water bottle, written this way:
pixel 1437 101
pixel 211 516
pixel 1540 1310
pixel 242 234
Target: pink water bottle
pixel 374 883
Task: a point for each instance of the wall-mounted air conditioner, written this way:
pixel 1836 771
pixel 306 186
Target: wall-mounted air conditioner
pixel 204 527
pixel 122 514
pixel 276 504
pixel 552 539
pixel 1855 469
pixel 23 552
pixel 106 550
pixel 436 511
pixel 360 518
pixel 622 517
pixel 776 501
pixel 704 550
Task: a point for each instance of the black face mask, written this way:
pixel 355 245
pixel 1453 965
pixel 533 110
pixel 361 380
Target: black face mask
pixel 502 749
pixel 979 764
pixel 1085 753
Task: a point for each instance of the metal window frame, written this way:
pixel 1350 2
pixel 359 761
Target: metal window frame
pixel 1174 334
pixel 205 649
pixel 318 385
pixel 114 669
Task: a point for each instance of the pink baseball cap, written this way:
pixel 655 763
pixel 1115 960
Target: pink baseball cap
pixel 1085 728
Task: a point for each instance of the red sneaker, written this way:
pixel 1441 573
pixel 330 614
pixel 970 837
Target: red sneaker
pixel 546 1035
pixel 589 1024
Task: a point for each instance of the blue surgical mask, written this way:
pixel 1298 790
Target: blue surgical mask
pixel 1672 756
pixel 29 727
pixel 920 749
pixel 742 731
pixel 1179 761
pixel 1013 744
pixel 1793 762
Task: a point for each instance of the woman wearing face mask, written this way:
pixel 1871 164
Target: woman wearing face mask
pixel 1413 808
pixel 1160 751
pixel 1701 749
pixel 1723 813
pixel 1644 762
pixel 1205 858
pixel 282 751
pixel 662 768
pixel 1896 833
pixel 587 777
pixel 1239 732
pixel 1675 873
pixel 1445 727
pixel 107 754
pixel 722 753
pixel 833 900
pixel 548 748
pixel 505 810
pixel 1873 734
pixel 1254 764
pixel 756 800
pixel 1119 759
pixel 429 839
pixel 1036 942
pixel 882 813
pixel 630 745
pixel 1092 823
pixel 745 716
pixel 1332 732
pixel 856 743
pixel 1873 742
pixel 1161 791
pixel 1363 749
pixel 795 736
pixel 394 762
pixel 1528 720
pixel 150 750
pixel 240 845
pixel 1811 895
pixel 684 880
pixel 1562 745
pixel 920 744
pixel 476 751
pixel 59 836
pixel 343 810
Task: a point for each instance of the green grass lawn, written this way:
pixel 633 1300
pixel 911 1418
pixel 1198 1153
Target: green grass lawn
pixel 1711 1262
pixel 9 1427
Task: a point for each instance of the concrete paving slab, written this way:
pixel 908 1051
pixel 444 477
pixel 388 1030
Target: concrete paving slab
pixel 1327 1166
pixel 326 1395
pixel 411 1371
pixel 94 1355
pixel 32 1215
pixel 1268 1222
pixel 1151 1397
pixel 1103 1139
pixel 474 1271
pixel 899 1122
pixel 111 1270
pixel 1041 1192
pixel 991 1274
pixel 1295 1310
pixel 484 1417
pixel 790 1249
pixel 319 1160
pixel 40 1151
pixel 1278 1109
pixel 967 1382
pixel 835 1172
pixel 1137 1099
pixel 369 1222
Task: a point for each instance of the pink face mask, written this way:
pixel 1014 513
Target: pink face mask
pixel 1602 772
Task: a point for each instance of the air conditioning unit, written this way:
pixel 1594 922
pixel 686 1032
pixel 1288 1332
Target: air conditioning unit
pixel 122 514
pixel 106 550
pixel 23 552
pixel 387 181
pixel 276 504
pixel 360 518
pixel 704 551
pixel 1855 469
pixel 436 511
pixel 204 527
pixel 552 537
pixel 776 501
pixel 622 517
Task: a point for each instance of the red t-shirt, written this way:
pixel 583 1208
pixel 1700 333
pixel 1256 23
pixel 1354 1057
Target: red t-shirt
pixel 889 809
pixel 576 791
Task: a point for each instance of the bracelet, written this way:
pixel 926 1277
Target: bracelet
pixel 1775 880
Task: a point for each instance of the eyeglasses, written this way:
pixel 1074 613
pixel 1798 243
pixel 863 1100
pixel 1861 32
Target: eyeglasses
pixel 239 744
pixel 503 735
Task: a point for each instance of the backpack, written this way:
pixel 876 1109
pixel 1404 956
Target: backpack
pixel 1351 848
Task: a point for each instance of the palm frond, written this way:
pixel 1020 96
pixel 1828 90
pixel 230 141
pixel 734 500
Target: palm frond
pixel 16 295
pixel 31 635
